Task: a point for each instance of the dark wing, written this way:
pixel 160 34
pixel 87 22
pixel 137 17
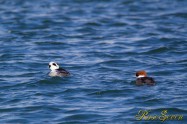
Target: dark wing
pixel 61 70
pixel 139 81
pixel 145 80
pixel 149 81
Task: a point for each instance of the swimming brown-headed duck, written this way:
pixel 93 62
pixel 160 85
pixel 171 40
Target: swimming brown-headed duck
pixel 141 78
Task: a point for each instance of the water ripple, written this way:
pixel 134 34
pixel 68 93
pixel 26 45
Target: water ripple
pixel 102 44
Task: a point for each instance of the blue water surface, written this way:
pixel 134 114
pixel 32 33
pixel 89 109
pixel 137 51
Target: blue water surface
pixel 102 43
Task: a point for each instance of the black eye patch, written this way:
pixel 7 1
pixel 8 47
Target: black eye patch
pixel 54 64
pixel 49 66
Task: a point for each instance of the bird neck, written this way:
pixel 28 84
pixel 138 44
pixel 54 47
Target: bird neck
pixel 140 76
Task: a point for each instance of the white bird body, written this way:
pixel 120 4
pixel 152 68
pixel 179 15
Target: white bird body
pixel 57 71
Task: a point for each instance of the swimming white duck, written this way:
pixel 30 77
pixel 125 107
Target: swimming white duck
pixel 56 70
